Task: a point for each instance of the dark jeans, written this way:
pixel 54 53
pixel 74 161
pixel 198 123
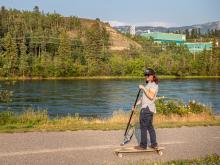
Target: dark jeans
pixel 146 119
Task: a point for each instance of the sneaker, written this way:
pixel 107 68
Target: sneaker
pixel 139 148
pixel 154 146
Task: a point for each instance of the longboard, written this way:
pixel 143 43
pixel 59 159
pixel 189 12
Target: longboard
pixel 120 151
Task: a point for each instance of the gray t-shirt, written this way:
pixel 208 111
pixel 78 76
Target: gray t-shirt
pixel 146 101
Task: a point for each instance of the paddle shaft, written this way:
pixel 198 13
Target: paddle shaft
pixel 132 112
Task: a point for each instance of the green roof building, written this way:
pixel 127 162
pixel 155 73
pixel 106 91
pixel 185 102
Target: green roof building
pixel 178 39
pixel 198 46
pixel 165 37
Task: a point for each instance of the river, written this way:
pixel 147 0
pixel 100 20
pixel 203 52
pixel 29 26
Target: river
pixel 100 98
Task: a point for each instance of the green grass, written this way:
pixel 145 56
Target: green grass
pixel 212 159
pixel 170 113
pixel 32 120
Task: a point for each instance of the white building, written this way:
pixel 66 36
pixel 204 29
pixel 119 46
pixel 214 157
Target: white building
pixel 132 30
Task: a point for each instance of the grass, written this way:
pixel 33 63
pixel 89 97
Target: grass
pixel 171 113
pixel 38 120
pixel 105 77
pixel 212 159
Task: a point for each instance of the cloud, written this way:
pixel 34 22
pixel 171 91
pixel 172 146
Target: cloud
pixel 154 23
pixel 163 24
pixel 117 23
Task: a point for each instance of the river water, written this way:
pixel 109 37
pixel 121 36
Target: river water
pixel 100 98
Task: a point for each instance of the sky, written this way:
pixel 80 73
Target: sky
pixel 166 13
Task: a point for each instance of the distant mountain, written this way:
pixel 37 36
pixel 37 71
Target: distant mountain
pixel 141 29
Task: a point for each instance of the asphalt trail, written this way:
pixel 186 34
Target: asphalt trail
pixel 96 147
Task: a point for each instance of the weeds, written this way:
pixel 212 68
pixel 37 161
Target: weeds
pixel 174 114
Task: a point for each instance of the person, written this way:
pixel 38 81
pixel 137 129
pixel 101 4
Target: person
pixel 148 109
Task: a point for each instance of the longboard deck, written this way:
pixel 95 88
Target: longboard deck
pixel 124 150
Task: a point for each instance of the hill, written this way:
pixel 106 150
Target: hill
pixel 203 28
pixel 117 40
pixel 38 44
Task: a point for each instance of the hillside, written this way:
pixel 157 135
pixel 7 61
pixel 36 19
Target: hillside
pixel 117 40
pixel 38 44
pixel 36 23
pixel 34 43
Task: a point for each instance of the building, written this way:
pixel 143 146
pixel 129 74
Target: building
pixel 179 39
pixel 198 46
pixel 165 37
pixel 132 30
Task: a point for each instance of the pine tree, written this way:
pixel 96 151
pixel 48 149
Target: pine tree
pixel 64 54
pixel 10 55
pixel 214 58
pixel 97 41
pixel 187 33
pixel 199 32
pixel 23 60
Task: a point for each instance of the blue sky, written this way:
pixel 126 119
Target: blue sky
pixel 134 12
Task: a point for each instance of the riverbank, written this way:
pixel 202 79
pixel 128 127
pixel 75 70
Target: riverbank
pixel 107 77
pixel 29 121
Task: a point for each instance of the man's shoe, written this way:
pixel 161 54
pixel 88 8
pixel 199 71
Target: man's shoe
pixel 139 148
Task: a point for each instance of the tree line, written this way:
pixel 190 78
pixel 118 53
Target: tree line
pixel 37 44
pixel 34 43
pixel 195 33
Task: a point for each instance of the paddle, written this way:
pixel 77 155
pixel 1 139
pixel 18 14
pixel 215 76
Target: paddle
pixel 129 131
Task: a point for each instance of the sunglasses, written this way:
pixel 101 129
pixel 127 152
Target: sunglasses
pixel 147 75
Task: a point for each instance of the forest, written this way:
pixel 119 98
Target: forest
pixel 38 44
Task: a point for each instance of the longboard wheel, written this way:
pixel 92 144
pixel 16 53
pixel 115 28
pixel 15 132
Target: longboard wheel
pixel 160 153
pixel 120 155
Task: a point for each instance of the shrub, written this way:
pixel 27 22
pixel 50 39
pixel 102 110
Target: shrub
pixel 5 96
pixel 167 107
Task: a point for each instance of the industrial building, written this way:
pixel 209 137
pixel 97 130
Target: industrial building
pixel 198 46
pixel 179 39
pixel 165 37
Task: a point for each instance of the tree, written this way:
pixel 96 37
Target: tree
pixel 23 60
pixel 187 33
pixel 64 55
pixel 10 55
pixel 36 9
pixel 214 58
pixel 199 32
pixel 97 41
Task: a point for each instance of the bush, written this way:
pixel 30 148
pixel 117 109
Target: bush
pixel 167 107
pixel 5 96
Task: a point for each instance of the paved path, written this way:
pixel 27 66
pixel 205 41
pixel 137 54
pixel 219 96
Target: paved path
pixel 96 147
